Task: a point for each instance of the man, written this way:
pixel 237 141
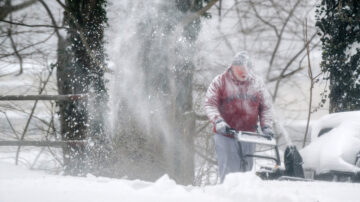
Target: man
pixel 236 99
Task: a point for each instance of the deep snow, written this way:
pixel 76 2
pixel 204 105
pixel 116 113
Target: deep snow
pixel 18 184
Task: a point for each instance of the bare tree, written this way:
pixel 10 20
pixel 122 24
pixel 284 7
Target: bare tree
pixel 6 7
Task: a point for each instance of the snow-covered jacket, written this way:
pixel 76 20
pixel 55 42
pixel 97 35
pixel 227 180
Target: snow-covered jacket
pixel 239 104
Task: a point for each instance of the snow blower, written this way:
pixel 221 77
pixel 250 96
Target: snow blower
pixel 293 162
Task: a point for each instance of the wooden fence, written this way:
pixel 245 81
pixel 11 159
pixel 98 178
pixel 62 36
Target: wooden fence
pixel 70 97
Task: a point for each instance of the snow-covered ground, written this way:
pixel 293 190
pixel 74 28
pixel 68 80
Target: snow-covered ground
pixel 18 184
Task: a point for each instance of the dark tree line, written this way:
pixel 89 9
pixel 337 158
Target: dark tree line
pixel 339 22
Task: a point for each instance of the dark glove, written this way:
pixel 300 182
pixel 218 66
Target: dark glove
pixel 221 127
pixel 268 132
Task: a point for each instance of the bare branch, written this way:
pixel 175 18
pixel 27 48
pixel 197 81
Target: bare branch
pixel 55 157
pixel 27 47
pixel 227 42
pixel 61 4
pixel 201 117
pixel 279 35
pixel 56 29
pixel 194 16
pixel 31 114
pixel 311 82
pixel 202 127
pixel 283 75
pixel 27 25
pixel 262 19
pixel 37 158
pixel 13 45
pixel 7 9
pixel 205 157
pixel 11 125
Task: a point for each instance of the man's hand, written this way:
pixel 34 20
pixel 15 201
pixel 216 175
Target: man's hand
pixel 268 132
pixel 221 127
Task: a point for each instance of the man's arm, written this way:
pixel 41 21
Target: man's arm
pixel 212 103
pixel 212 100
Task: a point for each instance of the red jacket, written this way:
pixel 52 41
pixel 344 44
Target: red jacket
pixel 240 104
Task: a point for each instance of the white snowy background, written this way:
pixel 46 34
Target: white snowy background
pixel 25 183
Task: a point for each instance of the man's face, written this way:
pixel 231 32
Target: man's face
pixel 240 72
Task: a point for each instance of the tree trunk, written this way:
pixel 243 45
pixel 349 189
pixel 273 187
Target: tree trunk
pixel 81 71
pixel 158 122
pixel 74 157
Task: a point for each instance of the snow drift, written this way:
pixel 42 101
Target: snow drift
pixel 19 184
pixel 336 149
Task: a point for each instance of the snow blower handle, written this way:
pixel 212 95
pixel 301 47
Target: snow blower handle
pixel 256 134
pixel 252 137
pixel 232 131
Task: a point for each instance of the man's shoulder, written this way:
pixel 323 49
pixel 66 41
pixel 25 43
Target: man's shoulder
pixel 223 74
pixel 220 78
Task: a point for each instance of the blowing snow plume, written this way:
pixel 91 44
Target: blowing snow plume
pixel 151 95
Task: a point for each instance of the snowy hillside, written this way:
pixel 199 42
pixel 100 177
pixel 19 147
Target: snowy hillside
pixel 20 184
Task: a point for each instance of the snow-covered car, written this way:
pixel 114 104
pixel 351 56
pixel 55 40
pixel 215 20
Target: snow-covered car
pixel 334 151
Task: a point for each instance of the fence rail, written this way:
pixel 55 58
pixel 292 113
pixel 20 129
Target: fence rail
pixel 69 97
pixel 41 143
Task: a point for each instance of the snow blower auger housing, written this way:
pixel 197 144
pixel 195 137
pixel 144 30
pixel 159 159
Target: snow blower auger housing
pixel 293 162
